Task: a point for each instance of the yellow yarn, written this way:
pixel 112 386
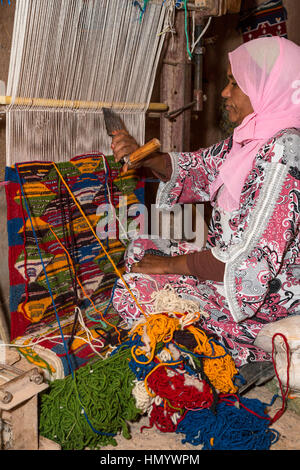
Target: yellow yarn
pixel 220 370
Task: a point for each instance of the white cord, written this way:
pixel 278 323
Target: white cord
pixel 195 42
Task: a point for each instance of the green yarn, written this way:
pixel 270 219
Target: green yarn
pixel 105 390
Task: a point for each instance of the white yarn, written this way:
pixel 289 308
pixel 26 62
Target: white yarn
pixel 167 300
pixel 195 41
pixel 30 341
pixel 142 398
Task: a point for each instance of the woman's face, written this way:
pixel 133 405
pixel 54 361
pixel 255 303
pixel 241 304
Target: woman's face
pixel 238 104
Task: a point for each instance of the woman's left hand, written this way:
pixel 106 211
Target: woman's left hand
pixel 153 264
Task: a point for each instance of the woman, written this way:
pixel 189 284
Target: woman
pixel 247 275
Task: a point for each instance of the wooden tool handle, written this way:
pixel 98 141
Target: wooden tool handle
pixel 143 152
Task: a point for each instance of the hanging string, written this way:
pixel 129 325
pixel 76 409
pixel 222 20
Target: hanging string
pixel 82 287
pixel 72 247
pixel 186 30
pixel 196 41
pixel 284 395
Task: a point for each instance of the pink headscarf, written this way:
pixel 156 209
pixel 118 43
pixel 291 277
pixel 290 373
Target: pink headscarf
pixel 268 71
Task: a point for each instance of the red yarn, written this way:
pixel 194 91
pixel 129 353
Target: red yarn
pixel 283 395
pixel 179 394
pixel 160 416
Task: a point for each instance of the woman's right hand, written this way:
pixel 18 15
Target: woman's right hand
pixel 123 144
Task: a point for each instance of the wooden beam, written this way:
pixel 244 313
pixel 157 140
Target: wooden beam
pixel 50 103
pixel 175 90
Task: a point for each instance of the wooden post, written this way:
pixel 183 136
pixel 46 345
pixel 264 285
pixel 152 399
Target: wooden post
pixel 4 334
pixel 175 90
pixel 24 424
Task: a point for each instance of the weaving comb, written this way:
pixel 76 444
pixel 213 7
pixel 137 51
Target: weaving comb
pixel 114 123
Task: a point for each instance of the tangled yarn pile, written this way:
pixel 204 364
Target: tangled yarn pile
pixel 179 378
pixel 190 390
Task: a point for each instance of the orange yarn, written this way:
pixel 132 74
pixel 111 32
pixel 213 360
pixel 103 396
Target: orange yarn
pixel 220 370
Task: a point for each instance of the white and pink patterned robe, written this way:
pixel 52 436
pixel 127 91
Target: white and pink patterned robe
pixel 259 244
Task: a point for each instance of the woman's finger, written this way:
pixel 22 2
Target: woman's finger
pixel 150 264
pixel 122 151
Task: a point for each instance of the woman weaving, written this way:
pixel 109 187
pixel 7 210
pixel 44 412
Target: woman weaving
pixel 247 274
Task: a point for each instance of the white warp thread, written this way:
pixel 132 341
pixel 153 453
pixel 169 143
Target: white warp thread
pixel 96 51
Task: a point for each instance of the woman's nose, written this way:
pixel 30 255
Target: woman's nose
pixel 226 92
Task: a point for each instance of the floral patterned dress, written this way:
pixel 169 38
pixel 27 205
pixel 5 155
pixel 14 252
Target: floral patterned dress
pixel 258 242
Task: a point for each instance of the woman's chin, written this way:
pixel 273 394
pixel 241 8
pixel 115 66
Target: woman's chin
pixel 233 118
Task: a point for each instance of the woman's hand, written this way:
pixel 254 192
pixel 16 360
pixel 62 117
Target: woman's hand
pixel 153 264
pixel 123 144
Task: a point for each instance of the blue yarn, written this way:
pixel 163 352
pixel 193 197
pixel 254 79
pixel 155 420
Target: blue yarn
pixel 143 368
pixel 230 428
pixel 202 356
pixel 136 3
pixel 54 306
pixel 139 370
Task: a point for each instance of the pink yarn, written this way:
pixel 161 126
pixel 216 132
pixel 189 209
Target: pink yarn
pixel 268 71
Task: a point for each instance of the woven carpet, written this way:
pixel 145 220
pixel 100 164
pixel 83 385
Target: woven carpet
pixel 268 19
pixel 56 265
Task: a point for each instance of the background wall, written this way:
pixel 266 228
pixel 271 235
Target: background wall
pixel 205 130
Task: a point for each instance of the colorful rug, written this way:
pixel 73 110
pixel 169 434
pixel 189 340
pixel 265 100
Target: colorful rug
pixel 268 19
pixel 61 279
